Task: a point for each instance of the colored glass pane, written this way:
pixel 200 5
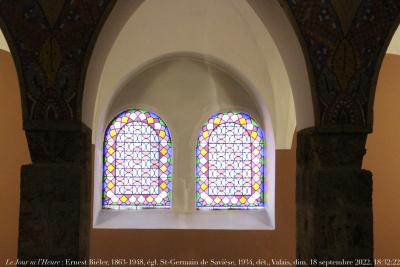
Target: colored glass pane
pixel 137 165
pixel 230 163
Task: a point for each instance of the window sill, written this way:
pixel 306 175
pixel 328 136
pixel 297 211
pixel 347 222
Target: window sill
pixel 169 219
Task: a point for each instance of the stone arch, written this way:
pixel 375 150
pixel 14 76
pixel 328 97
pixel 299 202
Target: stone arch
pixel 272 14
pixel 285 57
pixel 336 37
pixel 51 80
pixel 141 90
pixel 124 48
pixel 7 44
pixel 342 59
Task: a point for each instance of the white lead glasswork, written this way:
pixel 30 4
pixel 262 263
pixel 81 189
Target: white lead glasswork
pixel 230 163
pixel 137 167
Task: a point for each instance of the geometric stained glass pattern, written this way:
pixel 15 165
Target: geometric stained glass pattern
pixel 137 163
pixel 230 163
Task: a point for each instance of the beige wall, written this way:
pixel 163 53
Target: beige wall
pixel 184 244
pixel 3 43
pixel 14 153
pixel 208 244
pixel 383 159
pixel 185 92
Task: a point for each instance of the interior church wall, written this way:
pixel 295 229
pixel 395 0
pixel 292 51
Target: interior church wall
pixel 185 92
pixel 217 244
pixel 383 157
pixel 185 244
pixel 204 35
pixel 15 153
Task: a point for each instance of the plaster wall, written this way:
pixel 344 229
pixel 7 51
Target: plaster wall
pixel 274 19
pixel 383 157
pixel 14 154
pixel 212 244
pixel 3 43
pixel 185 90
pixel 229 32
pixel 394 46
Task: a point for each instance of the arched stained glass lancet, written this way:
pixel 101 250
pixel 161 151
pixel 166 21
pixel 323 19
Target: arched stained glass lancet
pixel 137 165
pixel 230 163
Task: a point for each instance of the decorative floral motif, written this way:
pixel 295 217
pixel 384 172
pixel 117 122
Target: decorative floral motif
pixel 51 44
pixel 344 40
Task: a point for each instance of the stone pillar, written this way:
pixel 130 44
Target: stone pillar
pixel 54 221
pixel 334 197
pixel 51 43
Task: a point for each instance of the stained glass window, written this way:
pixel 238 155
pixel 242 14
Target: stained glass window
pixel 137 165
pixel 230 163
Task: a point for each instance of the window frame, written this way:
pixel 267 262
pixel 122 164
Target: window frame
pixel 256 141
pixel 111 200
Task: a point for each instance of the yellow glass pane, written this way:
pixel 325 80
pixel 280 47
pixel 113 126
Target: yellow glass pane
pixel 110 168
pixel 150 120
pixel 217 121
pixel 163 185
pixel 203 186
pixel 256 186
pixel 110 185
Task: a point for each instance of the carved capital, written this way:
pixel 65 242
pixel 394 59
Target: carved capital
pixel 330 150
pixel 58 141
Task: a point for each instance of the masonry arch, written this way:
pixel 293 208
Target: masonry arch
pixel 280 78
pixel 186 89
pixel 240 43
